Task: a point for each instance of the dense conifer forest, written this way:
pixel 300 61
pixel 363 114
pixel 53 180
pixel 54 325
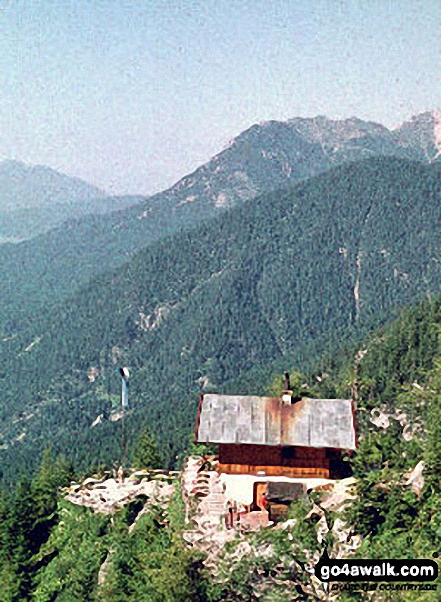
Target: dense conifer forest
pixel 278 278
pixel 53 550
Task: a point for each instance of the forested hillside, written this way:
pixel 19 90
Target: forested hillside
pixel 267 156
pixel 281 275
pixel 53 550
pixel 395 376
pixel 30 222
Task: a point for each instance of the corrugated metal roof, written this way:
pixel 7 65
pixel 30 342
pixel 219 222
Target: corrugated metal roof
pixel 268 421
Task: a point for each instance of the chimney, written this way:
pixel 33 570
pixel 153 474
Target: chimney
pixel 287 393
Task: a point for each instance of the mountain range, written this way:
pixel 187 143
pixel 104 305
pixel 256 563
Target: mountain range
pixel 34 199
pixel 264 282
pixel 269 156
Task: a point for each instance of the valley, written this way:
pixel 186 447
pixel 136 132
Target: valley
pixel 264 283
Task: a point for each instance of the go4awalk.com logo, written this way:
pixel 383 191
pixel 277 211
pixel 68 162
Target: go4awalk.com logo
pixel 359 570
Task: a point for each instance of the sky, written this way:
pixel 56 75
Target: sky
pixel 131 95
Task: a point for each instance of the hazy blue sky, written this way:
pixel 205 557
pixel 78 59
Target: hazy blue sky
pixel 131 95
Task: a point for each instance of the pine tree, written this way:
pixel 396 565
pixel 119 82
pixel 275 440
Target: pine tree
pixel 53 474
pixel 146 453
pixel 19 540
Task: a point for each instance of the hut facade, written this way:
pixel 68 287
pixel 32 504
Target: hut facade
pixel 278 436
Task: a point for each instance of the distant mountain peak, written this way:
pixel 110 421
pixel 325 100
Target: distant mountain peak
pixel 275 154
pixel 426 118
pixel 23 186
pixel 8 165
pixel 35 198
pixel 422 131
pixel 437 130
pixel 25 168
pixel 13 164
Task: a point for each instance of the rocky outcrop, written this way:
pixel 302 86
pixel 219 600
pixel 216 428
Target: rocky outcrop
pixel 205 504
pixel 108 495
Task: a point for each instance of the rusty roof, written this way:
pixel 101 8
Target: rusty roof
pixel 269 421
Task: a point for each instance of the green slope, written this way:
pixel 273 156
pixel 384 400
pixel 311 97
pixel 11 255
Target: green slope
pixel 29 222
pixel 55 551
pixel 287 271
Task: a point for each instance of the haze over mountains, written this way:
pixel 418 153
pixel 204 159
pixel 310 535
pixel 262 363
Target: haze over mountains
pixel 24 186
pixel 273 151
pixel 265 157
pixel 35 198
pixel 332 226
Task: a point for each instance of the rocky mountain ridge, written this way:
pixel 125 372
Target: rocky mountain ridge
pixel 269 156
pixel 274 154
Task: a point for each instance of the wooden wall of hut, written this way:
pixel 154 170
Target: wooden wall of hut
pixel 279 461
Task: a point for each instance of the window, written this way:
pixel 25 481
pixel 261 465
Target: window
pixel 288 453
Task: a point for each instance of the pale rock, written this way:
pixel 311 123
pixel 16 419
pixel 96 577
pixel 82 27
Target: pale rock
pixel 414 478
pixel 97 420
pixel 379 418
pixel 341 494
pixel 322 529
